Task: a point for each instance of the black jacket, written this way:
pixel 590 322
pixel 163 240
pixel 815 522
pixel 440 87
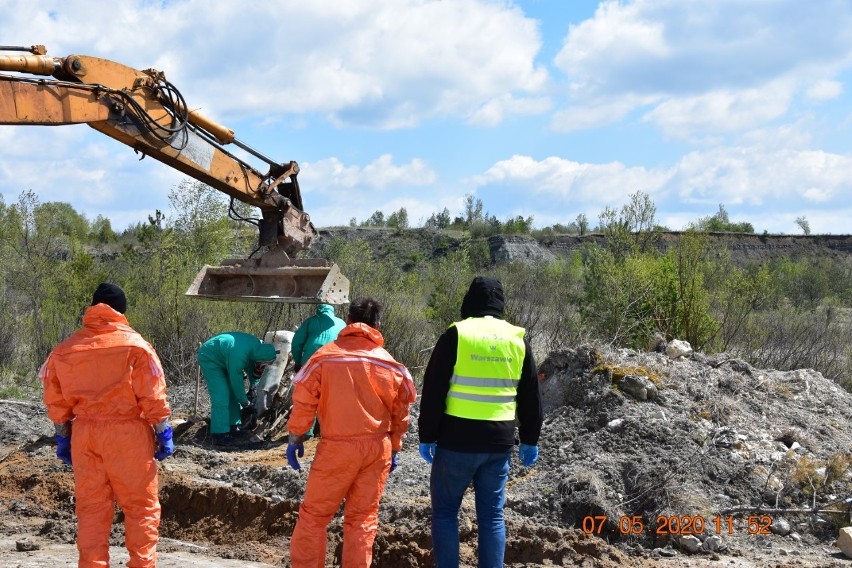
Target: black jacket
pixel 465 434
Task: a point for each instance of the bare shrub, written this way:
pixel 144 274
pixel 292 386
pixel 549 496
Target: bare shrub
pixel 792 338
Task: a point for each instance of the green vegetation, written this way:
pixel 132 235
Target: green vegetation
pixel 784 314
pixel 719 222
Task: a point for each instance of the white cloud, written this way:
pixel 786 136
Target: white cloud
pixel 373 62
pixel 721 111
pixel 76 165
pixel 556 190
pixel 723 66
pixel 596 113
pixel 824 90
pixel 331 175
pixel 556 177
pixel 758 177
pixel 618 35
pixel 494 111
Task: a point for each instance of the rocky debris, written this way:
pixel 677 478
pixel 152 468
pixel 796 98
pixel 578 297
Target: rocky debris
pixel 517 248
pixel 694 447
pixel 431 243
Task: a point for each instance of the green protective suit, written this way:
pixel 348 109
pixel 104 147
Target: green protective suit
pixel 225 359
pixel 316 331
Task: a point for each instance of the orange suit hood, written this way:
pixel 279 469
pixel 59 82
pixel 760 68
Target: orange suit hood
pixel 104 371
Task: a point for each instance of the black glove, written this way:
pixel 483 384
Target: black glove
pixel 248 418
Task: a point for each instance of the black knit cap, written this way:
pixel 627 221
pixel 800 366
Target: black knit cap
pixel 111 295
pixel 483 298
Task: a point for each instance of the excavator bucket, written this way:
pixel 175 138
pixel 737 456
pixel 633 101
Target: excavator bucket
pixel 294 281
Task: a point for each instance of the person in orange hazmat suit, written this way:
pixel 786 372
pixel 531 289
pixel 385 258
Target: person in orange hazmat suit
pixel 361 395
pixel 106 394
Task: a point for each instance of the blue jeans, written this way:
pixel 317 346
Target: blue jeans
pixel 452 474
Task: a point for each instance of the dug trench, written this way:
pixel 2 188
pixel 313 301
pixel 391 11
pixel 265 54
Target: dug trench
pixel 202 510
pixel 249 527
pixel 246 507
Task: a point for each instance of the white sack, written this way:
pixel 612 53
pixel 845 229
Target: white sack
pixel 268 384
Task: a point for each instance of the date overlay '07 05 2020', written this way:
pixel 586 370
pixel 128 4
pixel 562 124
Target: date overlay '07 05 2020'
pixel 680 525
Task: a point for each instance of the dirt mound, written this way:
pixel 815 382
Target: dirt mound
pixel 644 449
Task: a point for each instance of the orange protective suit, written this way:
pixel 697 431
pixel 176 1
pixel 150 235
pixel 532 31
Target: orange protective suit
pixel 109 381
pixel 361 396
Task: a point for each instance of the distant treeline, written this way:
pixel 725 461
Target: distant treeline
pixel 480 223
pixel 781 314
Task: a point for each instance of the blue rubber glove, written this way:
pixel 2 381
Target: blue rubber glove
pixel 165 444
pixel 528 454
pixel 292 451
pixel 63 448
pixel 394 461
pixel 427 451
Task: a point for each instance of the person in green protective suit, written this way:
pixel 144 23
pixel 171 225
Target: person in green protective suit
pixel 318 330
pixel 225 360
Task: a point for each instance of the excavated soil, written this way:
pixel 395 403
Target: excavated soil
pixel 706 438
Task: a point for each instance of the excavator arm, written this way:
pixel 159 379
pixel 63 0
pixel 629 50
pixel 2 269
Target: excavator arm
pixel 144 111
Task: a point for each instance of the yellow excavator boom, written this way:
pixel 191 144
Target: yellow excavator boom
pixel 144 111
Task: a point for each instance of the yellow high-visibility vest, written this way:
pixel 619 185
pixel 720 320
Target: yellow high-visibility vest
pixel 488 366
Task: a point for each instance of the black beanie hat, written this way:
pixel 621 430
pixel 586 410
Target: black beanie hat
pixel 111 295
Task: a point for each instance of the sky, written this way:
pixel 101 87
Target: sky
pixel 539 108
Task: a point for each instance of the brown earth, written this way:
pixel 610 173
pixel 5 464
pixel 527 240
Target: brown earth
pixel 666 457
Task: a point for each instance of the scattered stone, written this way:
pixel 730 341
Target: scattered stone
pixel 26 545
pixel 689 543
pixel 678 348
pixel 712 543
pixel 637 386
pixel 667 552
pixel 844 541
pixel 780 527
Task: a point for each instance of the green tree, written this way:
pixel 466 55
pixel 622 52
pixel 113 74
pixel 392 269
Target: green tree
pixel 159 270
pixel 377 219
pixel 447 282
pixel 41 245
pixel 439 220
pixel 631 228
pixel 582 223
pixel 61 219
pixel 101 230
pixel 398 219
pixel 473 211
pixel 518 225
pixel 688 310
pixel 628 297
pixel 721 222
